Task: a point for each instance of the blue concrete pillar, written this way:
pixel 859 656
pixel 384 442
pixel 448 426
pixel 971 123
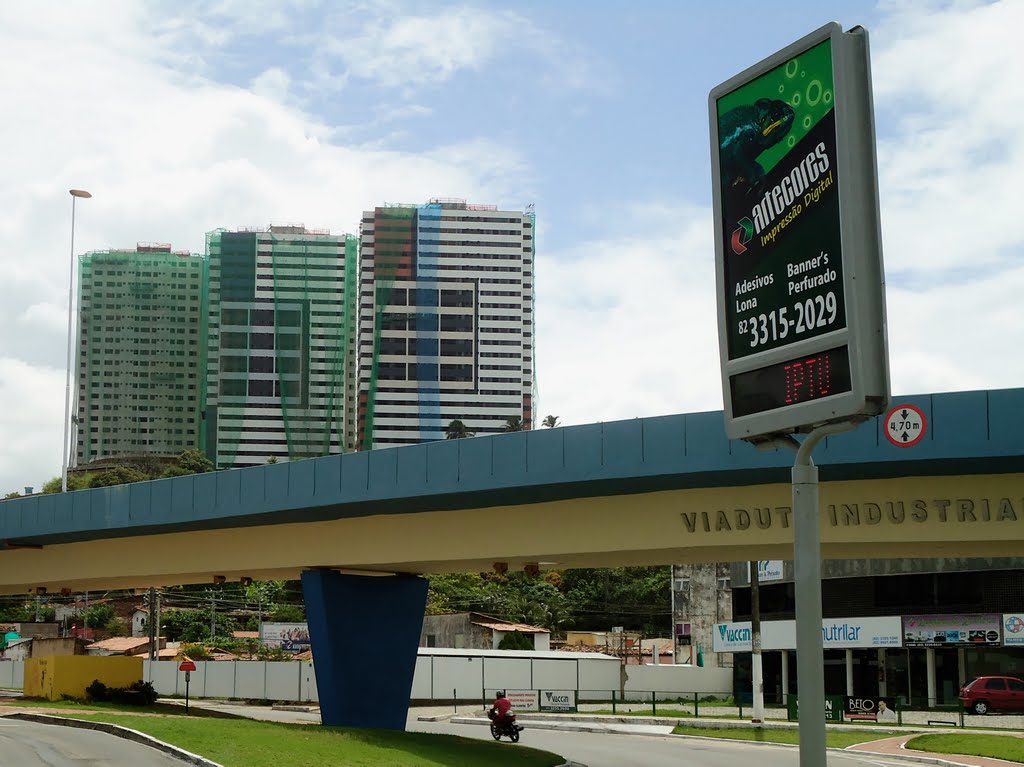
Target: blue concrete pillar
pixel 364 631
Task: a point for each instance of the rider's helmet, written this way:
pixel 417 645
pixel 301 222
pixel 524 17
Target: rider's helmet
pixel 500 694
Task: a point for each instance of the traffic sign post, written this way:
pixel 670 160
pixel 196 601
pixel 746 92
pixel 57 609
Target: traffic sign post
pixel 801 304
pixel 905 425
pixel 188 667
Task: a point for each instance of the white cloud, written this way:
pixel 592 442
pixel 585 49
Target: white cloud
pixel 626 326
pixel 415 50
pixel 950 166
pixel 30 452
pixel 108 102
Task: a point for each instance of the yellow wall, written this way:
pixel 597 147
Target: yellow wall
pixel 55 676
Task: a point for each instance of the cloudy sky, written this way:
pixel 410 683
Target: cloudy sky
pixel 181 117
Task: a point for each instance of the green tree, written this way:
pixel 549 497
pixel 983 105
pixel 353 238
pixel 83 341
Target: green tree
pixel 638 598
pixel 122 475
pixel 550 421
pixel 456 430
pixel 174 471
pixel 194 462
pixel 515 640
pixel 186 625
pixel 99 616
pixel 514 423
pixel 23 613
pixel 460 592
pixel 272 460
pixel 288 613
pixel 75 482
pixel 12 495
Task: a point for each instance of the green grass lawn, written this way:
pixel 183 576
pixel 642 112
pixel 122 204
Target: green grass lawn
pixel 996 746
pixel 247 743
pixel 833 739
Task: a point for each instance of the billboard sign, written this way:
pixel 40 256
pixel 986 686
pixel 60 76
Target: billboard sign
pixel 768 570
pixel 833 708
pixel 952 630
pixel 521 700
pixel 291 637
pixel 870 709
pixel 802 333
pixel 1013 629
pixel 836 634
pixel 558 700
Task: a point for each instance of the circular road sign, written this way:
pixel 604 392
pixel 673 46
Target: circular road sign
pixel 905 425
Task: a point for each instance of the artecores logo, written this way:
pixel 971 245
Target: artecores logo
pixel 1014 624
pixel 742 236
pixel 802 187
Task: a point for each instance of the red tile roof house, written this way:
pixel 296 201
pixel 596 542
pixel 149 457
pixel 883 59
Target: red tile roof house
pixel 121 646
pixel 476 631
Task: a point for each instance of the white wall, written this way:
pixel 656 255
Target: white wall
pixel 12 674
pixel 436 677
pixel 672 681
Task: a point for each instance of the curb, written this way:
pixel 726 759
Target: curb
pixel 122 732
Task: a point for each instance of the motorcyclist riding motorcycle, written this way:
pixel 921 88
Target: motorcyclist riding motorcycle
pixel 503 721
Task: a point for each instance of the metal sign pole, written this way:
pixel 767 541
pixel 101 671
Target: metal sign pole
pixel 810 655
pixel 188 677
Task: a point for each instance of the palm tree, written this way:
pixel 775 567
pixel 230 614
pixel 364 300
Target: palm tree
pixel 513 423
pixel 550 421
pixel 456 430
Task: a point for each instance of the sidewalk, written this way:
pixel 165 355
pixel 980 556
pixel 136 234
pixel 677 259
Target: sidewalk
pixel 895 747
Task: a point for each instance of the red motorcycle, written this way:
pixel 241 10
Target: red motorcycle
pixel 504 726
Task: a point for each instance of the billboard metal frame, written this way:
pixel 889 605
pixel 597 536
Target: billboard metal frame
pixel 864 333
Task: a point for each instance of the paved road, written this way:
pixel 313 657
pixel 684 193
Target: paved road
pixel 28 744
pixel 607 750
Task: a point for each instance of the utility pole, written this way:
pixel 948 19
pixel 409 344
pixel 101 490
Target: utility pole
pixel 756 671
pixel 152 623
pixel 259 616
pixel 85 617
pixel 37 607
pixel 213 620
pixel 158 623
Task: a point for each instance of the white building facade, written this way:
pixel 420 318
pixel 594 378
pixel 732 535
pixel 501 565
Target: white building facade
pixel 445 321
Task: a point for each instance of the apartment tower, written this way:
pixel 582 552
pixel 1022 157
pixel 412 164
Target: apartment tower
pixel 445 321
pixel 281 344
pixel 140 353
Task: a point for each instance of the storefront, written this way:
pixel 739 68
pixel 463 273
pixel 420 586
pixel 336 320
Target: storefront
pixel 922 659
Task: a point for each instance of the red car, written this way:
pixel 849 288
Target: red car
pixel 987 693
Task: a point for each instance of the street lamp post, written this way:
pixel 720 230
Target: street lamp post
pixel 75 194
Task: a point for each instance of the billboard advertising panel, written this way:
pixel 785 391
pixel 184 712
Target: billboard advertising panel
pixel 836 634
pixel 952 630
pixel 802 331
pixel 1013 629
pixel 292 637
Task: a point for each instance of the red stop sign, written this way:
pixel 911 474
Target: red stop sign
pixel 186 665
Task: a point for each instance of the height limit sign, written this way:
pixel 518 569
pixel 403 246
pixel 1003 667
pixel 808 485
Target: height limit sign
pixel 905 425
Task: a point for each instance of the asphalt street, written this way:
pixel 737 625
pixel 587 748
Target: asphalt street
pixel 28 744
pixel 618 750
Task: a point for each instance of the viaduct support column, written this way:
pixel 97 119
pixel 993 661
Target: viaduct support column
pixel 353 618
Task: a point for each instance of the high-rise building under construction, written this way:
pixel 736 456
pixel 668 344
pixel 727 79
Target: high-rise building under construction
pixel 281 344
pixel 140 353
pixel 445 321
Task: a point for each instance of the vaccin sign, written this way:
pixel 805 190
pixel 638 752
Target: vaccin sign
pixel 798 244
